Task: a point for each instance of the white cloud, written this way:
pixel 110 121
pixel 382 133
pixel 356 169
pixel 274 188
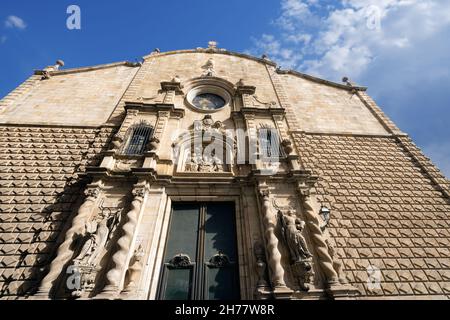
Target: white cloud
pixel 440 155
pixel 15 22
pixel 345 37
pixel 399 48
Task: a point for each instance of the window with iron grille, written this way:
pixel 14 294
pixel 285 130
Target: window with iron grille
pixel 137 138
pixel 269 144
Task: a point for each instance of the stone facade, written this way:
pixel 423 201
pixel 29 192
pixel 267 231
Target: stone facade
pixel 72 199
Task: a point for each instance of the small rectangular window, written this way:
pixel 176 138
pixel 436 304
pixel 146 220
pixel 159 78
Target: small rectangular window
pixel 137 139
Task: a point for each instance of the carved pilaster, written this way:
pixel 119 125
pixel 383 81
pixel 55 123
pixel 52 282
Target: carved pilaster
pixel 171 88
pixel 252 137
pixel 115 276
pixel 274 255
pixel 65 251
pixel 163 118
pixel 279 123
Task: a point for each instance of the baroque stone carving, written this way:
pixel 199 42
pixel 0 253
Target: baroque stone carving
pixel 274 255
pixel 98 233
pixel 204 163
pixel 64 251
pixel 209 68
pixel 313 223
pixel 336 263
pixel 261 264
pixel 291 228
pixel 114 276
pixel 116 143
pixel 219 260
pixel 124 165
pixel 134 270
pixel 180 261
pixel 153 144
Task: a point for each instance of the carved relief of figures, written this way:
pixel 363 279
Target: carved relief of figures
pixel 98 231
pixel 207 161
pixel 205 164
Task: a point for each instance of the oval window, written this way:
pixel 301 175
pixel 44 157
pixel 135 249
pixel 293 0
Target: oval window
pixel 208 101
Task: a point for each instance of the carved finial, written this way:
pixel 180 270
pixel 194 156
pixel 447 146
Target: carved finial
pixel 176 79
pixel 287 145
pixel 212 45
pixel 347 81
pixel 59 63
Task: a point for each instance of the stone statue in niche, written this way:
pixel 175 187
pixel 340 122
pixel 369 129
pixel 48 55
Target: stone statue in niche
pixel 99 231
pixel 301 258
pixel 292 228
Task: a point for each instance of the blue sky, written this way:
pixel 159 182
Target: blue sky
pixel 400 49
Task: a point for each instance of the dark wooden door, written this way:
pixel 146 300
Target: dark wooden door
pixel 201 259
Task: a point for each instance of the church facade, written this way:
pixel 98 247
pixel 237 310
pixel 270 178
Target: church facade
pixel 207 174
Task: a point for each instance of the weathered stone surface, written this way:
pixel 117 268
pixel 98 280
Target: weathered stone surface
pixel 389 204
pixel 39 190
pixel 405 236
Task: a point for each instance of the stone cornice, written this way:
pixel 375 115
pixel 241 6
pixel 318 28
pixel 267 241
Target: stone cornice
pixel 91 68
pixel 322 81
pixel 150 107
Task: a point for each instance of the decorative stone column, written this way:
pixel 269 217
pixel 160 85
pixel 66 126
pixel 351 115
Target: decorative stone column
pixel 313 223
pixel 274 255
pixel 115 276
pixel 65 252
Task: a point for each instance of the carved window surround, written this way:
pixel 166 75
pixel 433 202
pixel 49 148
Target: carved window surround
pixel 136 112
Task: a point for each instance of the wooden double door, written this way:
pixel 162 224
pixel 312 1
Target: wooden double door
pixel 201 258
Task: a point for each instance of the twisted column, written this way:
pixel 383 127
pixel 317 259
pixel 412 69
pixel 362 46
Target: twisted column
pixel 115 275
pixel 274 255
pixel 324 258
pixel 65 253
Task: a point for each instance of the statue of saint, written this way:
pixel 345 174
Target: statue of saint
pixel 292 228
pixel 98 233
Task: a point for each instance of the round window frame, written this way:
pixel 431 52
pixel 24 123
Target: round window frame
pixel 211 89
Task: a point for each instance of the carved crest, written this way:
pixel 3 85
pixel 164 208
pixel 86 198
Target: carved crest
pixel 219 260
pixel 180 261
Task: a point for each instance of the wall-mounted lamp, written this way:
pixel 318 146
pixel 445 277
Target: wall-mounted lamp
pixel 326 216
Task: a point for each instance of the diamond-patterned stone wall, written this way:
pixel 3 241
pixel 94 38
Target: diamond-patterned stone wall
pixel 39 189
pixel 386 212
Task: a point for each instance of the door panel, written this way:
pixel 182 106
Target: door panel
pixel 183 232
pixel 201 260
pixel 221 252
